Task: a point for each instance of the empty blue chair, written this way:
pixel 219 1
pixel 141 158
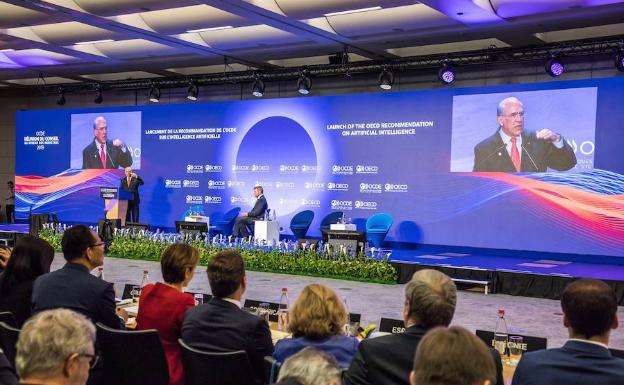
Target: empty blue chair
pixel 300 223
pixel 225 224
pixel 330 218
pixel 377 227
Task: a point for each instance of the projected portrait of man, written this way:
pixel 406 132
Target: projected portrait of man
pixel 511 149
pixel 104 153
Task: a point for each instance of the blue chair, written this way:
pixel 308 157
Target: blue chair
pixel 330 218
pixel 300 223
pixel 225 224
pixel 377 227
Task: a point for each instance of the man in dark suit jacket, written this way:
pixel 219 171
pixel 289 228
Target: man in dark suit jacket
pixel 511 149
pixel 103 153
pixel 221 325
pixel 430 299
pixel 131 183
pixel 73 287
pixel 589 313
pixel 248 218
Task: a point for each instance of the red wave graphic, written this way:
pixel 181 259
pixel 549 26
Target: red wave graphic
pixel 45 185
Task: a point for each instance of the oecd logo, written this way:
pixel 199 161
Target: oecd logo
pixel 338 186
pixel 284 201
pixel 239 200
pixel 212 199
pixel 190 183
pixel 260 168
pixel 194 169
pixel 240 168
pixel 342 170
pixel 216 184
pixel 285 185
pixel 314 186
pixel 362 169
pixel 194 199
pixel 234 183
pixel 309 169
pixel 390 187
pixel 213 168
pixel 173 183
pixel 373 188
pixel 341 205
pixel 288 169
pixel 366 205
pixel 310 202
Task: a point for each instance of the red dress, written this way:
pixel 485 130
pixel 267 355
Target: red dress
pixel 162 307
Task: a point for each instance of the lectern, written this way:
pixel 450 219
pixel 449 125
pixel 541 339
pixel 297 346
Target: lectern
pixel 116 202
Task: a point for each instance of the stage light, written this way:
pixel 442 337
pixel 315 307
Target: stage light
pixel 154 94
pixel 304 83
pixel 98 94
pixel 386 79
pixel 554 66
pixel 257 87
pixel 193 91
pixel 446 74
pixel 619 61
pixel 61 96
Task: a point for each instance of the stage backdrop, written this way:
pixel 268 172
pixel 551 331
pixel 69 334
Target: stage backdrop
pixel 407 153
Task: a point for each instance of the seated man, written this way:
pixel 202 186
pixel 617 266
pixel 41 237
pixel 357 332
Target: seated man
pixel 589 313
pixel 247 218
pixel 56 347
pixel 310 366
pixel 221 325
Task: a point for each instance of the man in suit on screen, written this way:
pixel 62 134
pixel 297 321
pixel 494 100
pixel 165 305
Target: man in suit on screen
pixel 511 149
pixel 248 218
pixel 131 182
pixel 104 153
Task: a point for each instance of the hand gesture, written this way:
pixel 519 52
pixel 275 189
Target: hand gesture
pixel 118 143
pixel 5 253
pixel 546 134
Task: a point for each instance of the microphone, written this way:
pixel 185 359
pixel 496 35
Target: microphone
pixel 489 156
pixel 530 158
pixel 109 157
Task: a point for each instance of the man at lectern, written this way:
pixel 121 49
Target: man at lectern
pixel 247 218
pixel 103 153
pixel 131 182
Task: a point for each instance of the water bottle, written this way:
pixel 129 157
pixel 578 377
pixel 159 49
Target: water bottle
pixel 501 334
pixel 100 273
pixel 282 314
pixel 145 279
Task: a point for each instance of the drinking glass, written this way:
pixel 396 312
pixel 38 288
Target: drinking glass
pixel 135 293
pixel 515 349
pixel 264 311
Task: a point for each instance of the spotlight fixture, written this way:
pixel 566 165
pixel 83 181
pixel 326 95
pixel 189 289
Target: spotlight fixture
pixel 61 96
pixel 446 74
pixel 619 60
pixel 257 87
pixel 98 94
pixel 304 83
pixel 154 93
pixel 386 79
pixel 554 66
pixel 193 91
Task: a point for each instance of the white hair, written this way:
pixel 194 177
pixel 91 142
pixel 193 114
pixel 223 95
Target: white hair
pixel 311 366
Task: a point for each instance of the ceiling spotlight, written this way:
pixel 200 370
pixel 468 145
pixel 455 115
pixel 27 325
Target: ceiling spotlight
pixel 619 60
pixel 554 66
pixel 304 83
pixel 61 96
pixel 446 74
pixel 257 87
pixel 386 79
pixel 154 93
pixel 193 91
pixel 98 94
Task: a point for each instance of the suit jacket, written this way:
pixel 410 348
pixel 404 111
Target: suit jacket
pixel 73 287
pixel 220 326
pixel 343 348
pixel 115 156
pixel 259 208
pixel 133 187
pixel 536 155
pixel 388 360
pixel 17 300
pixel 574 363
pixel 7 375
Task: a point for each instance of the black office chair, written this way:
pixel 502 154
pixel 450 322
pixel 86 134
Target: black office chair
pixel 271 369
pixel 8 340
pixel 132 357
pixel 8 318
pixel 212 368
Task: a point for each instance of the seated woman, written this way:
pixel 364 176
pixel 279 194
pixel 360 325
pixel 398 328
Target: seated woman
pixel 317 319
pixel 162 305
pixel 30 258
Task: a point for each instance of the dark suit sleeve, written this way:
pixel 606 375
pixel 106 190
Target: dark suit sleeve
pixel 522 373
pixel 85 158
pixel 259 208
pixel 358 371
pixel 478 159
pixel 498 365
pixel 561 159
pixel 122 159
pixel 7 377
pixel 139 181
pixel 105 309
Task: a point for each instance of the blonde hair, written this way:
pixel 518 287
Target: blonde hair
pixel 318 313
pixel 311 366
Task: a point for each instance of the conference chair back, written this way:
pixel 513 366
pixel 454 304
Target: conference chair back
pixel 8 340
pixel 216 368
pixel 300 223
pixel 8 318
pixel 377 226
pixel 132 357
pixel 271 369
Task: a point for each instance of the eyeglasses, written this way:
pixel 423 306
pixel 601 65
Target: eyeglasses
pixel 98 244
pixel 514 115
pixel 93 359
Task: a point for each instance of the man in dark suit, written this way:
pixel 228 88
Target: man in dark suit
pixel 131 183
pixel 221 325
pixel 589 313
pixel 248 218
pixel 73 287
pixel 510 149
pixel 430 298
pixel 103 153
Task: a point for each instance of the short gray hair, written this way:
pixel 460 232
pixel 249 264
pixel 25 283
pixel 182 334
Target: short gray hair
pixel 431 296
pixel 501 106
pixel 49 338
pixel 311 366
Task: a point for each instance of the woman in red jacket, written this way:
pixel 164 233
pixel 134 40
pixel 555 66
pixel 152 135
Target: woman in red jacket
pixel 162 305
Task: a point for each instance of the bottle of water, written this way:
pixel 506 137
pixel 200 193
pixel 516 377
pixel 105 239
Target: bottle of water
pixel 501 334
pixel 282 314
pixel 145 279
pixel 100 273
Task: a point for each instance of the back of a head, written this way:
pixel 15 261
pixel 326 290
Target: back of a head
pixel 30 258
pixel 431 296
pixel 226 269
pixel 590 307
pixel 452 356
pixel 317 313
pixel 176 260
pixel 311 366
pixel 48 339
pixel 75 242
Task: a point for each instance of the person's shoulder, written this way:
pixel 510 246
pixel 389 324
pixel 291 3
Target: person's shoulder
pixel 89 146
pixel 489 141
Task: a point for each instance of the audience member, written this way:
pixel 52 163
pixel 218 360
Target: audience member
pixel 430 299
pixel 310 366
pixel 7 375
pixel 5 254
pixel 452 356
pixel 318 319
pixel 30 258
pixel 221 325
pixel 55 347
pixel 589 313
pixel 73 287
pixel 162 305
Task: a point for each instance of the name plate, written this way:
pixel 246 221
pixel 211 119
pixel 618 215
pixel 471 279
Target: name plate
pixel 108 192
pixel 273 307
pixel 343 226
pixel 390 325
pixel 529 343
